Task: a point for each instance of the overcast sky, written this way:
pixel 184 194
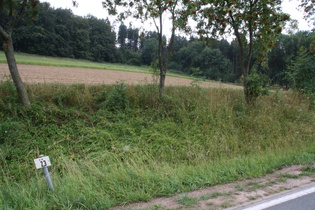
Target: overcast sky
pixel 94 7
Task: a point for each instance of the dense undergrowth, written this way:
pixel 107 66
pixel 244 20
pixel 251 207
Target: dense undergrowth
pixel 115 144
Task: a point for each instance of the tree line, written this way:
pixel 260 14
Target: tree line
pixel 60 33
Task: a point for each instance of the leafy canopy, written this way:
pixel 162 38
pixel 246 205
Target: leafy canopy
pixel 251 21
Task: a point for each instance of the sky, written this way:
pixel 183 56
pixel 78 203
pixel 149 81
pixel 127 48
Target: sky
pixel 94 7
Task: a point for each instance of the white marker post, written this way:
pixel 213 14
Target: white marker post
pixel 43 162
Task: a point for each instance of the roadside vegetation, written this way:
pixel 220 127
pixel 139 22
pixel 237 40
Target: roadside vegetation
pixel 115 144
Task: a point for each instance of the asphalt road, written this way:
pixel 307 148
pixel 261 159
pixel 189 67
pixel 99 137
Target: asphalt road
pixel 297 199
pixel 306 202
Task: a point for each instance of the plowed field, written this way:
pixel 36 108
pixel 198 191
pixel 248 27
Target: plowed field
pixel 68 75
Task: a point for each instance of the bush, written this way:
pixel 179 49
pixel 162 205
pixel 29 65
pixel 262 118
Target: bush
pixel 255 85
pixel 117 98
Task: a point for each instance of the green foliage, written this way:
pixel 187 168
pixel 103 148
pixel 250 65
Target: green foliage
pixel 154 69
pixel 122 35
pixel 116 144
pixel 286 49
pixel 260 19
pixel 213 65
pixel 255 86
pixel 58 32
pixel 117 98
pixel 301 74
pixel 149 51
pixel 8 94
pixel 187 201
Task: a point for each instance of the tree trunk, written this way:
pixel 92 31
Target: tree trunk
pixel 9 53
pixel 246 92
pixel 160 56
pixel 162 81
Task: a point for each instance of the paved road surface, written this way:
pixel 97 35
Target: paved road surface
pixel 296 199
pixel 306 202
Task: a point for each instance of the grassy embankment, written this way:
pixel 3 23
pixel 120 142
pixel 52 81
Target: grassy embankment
pixel 115 144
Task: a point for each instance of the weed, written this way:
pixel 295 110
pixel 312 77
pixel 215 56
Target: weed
pixel 117 99
pixel 308 169
pixel 289 176
pixel 154 70
pixel 239 187
pixel 157 207
pixel 187 201
pixel 226 204
pixel 210 204
pixel 252 186
pixel 252 198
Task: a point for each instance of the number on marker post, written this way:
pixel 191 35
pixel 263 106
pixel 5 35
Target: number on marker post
pixel 42 162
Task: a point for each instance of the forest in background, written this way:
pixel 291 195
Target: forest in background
pixel 60 33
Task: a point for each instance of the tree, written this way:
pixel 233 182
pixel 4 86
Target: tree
pixel 15 11
pixel 155 10
pixel 309 14
pixel 149 51
pixel 301 74
pixel 213 65
pixel 102 39
pixel 309 9
pixel 286 49
pixel 255 24
pixel 187 55
pixel 122 35
pixel 133 38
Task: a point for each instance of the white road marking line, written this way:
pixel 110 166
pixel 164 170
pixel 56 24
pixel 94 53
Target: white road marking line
pixel 282 199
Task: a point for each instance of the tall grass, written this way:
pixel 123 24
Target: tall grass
pixel 115 144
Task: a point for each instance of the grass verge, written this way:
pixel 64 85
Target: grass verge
pixel 115 144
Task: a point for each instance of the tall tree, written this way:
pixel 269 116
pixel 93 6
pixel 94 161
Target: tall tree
pixel 154 10
pixel 149 51
pixel 122 35
pixel 102 39
pixel 309 14
pixel 133 36
pixel 254 23
pixel 309 9
pixel 15 11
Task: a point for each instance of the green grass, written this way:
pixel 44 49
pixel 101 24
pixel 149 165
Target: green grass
pixel 187 201
pixel 213 195
pixel 115 144
pixel 30 59
pixel 23 58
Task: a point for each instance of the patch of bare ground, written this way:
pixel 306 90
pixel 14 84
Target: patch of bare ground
pixel 68 75
pixel 232 194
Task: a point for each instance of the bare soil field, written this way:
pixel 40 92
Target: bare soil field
pixel 67 75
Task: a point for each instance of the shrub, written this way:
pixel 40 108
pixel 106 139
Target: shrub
pixel 255 87
pixel 117 98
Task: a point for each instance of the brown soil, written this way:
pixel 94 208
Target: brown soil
pixel 232 194
pixel 65 75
